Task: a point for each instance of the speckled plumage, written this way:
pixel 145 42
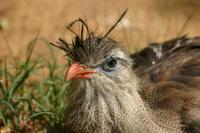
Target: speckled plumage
pixel 153 91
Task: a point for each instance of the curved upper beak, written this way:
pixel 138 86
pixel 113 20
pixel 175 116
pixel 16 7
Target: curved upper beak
pixel 77 70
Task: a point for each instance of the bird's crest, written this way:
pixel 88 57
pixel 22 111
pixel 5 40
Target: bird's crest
pixel 78 40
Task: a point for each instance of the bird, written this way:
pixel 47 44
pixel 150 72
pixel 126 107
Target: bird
pixel 155 90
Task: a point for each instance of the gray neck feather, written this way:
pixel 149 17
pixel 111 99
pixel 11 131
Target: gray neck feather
pixel 100 110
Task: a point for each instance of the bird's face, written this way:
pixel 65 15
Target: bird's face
pixel 99 63
pixel 102 84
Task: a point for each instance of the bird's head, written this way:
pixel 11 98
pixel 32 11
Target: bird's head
pixel 98 62
pixel 102 80
pixel 98 57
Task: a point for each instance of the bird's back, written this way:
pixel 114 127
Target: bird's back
pixel 173 68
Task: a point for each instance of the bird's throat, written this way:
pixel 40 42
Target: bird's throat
pixel 123 110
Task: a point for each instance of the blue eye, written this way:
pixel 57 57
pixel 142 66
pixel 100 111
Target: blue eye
pixel 109 65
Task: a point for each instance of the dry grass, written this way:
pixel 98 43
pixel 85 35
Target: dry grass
pixel 146 21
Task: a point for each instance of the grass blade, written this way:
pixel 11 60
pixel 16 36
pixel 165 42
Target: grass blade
pixel 19 81
pixel 30 48
pixel 51 51
pixel 24 99
pixel 9 105
pixel 2 88
pixel 3 118
pixel 8 47
pixel 42 113
pixel 60 97
pixel 39 105
pixel 5 71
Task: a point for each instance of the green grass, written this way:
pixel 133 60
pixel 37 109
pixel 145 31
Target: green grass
pixel 26 104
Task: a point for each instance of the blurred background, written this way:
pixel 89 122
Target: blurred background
pixel 146 21
pixel 33 91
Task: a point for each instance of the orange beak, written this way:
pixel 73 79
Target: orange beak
pixel 77 70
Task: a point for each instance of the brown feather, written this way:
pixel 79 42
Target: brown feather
pixel 177 82
pixel 154 90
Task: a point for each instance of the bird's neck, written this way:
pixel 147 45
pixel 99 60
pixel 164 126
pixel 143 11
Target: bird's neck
pixel 123 110
pixel 141 118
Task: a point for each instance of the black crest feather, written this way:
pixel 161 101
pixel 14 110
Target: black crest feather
pixel 78 40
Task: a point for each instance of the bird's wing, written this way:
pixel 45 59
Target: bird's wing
pixel 180 63
pixel 154 53
pixel 175 81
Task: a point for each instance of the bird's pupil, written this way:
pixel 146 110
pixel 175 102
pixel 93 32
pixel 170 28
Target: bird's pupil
pixel 112 63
